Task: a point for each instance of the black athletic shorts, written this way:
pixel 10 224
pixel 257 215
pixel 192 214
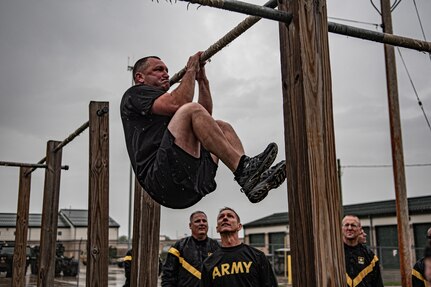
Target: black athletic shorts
pixel 176 179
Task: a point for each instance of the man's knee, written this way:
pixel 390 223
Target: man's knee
pixel 225 126
pixel 191 108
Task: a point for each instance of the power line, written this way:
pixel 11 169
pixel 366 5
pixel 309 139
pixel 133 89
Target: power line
pixel 383 165
pixel 420 23
pixel 375 7
pixel 355 21
pixel 414 89
pixel 396 3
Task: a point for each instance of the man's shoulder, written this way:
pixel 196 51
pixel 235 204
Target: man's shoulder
pixel 182 241
pixel 142 91
pixel 419 265
pixel 213 241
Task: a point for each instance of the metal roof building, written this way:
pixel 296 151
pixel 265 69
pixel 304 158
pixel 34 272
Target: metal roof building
pixel 378 219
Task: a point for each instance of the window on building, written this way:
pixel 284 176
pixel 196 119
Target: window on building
pixel 276 241
pixel 257 240
pixel 387 246
pixel 59 233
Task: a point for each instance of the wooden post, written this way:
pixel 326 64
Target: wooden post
pixel 20 254
pixel 146 231
pixel 48 236
pixel 313 195
pixel 397 152
pixel 136 247
pixel 98 196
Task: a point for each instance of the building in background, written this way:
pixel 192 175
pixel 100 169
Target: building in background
pixel 271 233
pixel 71 230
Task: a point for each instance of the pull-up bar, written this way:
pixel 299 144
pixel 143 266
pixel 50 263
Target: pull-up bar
pixel 226 39
pixel 282 16
pixel 24 164
pixel 72 136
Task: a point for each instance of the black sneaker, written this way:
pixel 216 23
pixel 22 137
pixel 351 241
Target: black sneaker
pixel 253 167
pixel 269 179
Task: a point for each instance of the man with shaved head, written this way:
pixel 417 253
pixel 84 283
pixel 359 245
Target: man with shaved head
pixel 235 264
pixel 174 144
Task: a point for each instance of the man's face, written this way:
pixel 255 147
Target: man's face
pixel 155 74
pixel 427 269
pixel 351 228
pixel 199 226
pixel 227 222
pixel 362 237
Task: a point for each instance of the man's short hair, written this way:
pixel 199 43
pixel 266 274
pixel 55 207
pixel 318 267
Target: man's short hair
pixel 196 212
pixel 141 64
pixel 231 209
pixel 352 215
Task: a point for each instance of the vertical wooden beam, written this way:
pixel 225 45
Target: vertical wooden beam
pixel 313 192
pixel 98 196
pixel 20 254
pixel 137 237
pixel 150 243
pixel 51 196
pixel 146 236
pixel 397 151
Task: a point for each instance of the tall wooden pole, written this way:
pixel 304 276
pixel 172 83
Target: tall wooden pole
pixel 397 151
pixel 138 235
pixel 20 254
pixel 51 195
pixel 98 196
pixel 146 230
pixel 313 191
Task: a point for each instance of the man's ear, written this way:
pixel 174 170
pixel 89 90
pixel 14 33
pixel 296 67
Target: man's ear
pixel 239 227
pixel 139 78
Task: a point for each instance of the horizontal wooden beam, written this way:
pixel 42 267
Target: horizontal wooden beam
pixel 286 17
pixel 384 38
pixel 243 26
pixel 246 8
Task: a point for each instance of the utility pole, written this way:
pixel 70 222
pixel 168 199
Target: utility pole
pixel 129 230
pixel 397 151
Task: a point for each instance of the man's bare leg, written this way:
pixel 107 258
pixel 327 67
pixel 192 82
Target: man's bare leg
pixel 192 125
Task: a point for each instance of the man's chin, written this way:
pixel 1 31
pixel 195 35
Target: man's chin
pixel 165 87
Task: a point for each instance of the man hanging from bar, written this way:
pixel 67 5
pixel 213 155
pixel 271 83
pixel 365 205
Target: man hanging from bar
pixel 174 144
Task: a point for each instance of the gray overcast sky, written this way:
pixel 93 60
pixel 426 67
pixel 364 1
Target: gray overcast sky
pixel 57 56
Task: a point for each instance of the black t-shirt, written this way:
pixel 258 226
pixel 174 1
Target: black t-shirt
pixel 143 130
pixel 239 266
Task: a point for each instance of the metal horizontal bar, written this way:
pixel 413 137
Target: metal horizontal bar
pixel 24 164
pixel 246 8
